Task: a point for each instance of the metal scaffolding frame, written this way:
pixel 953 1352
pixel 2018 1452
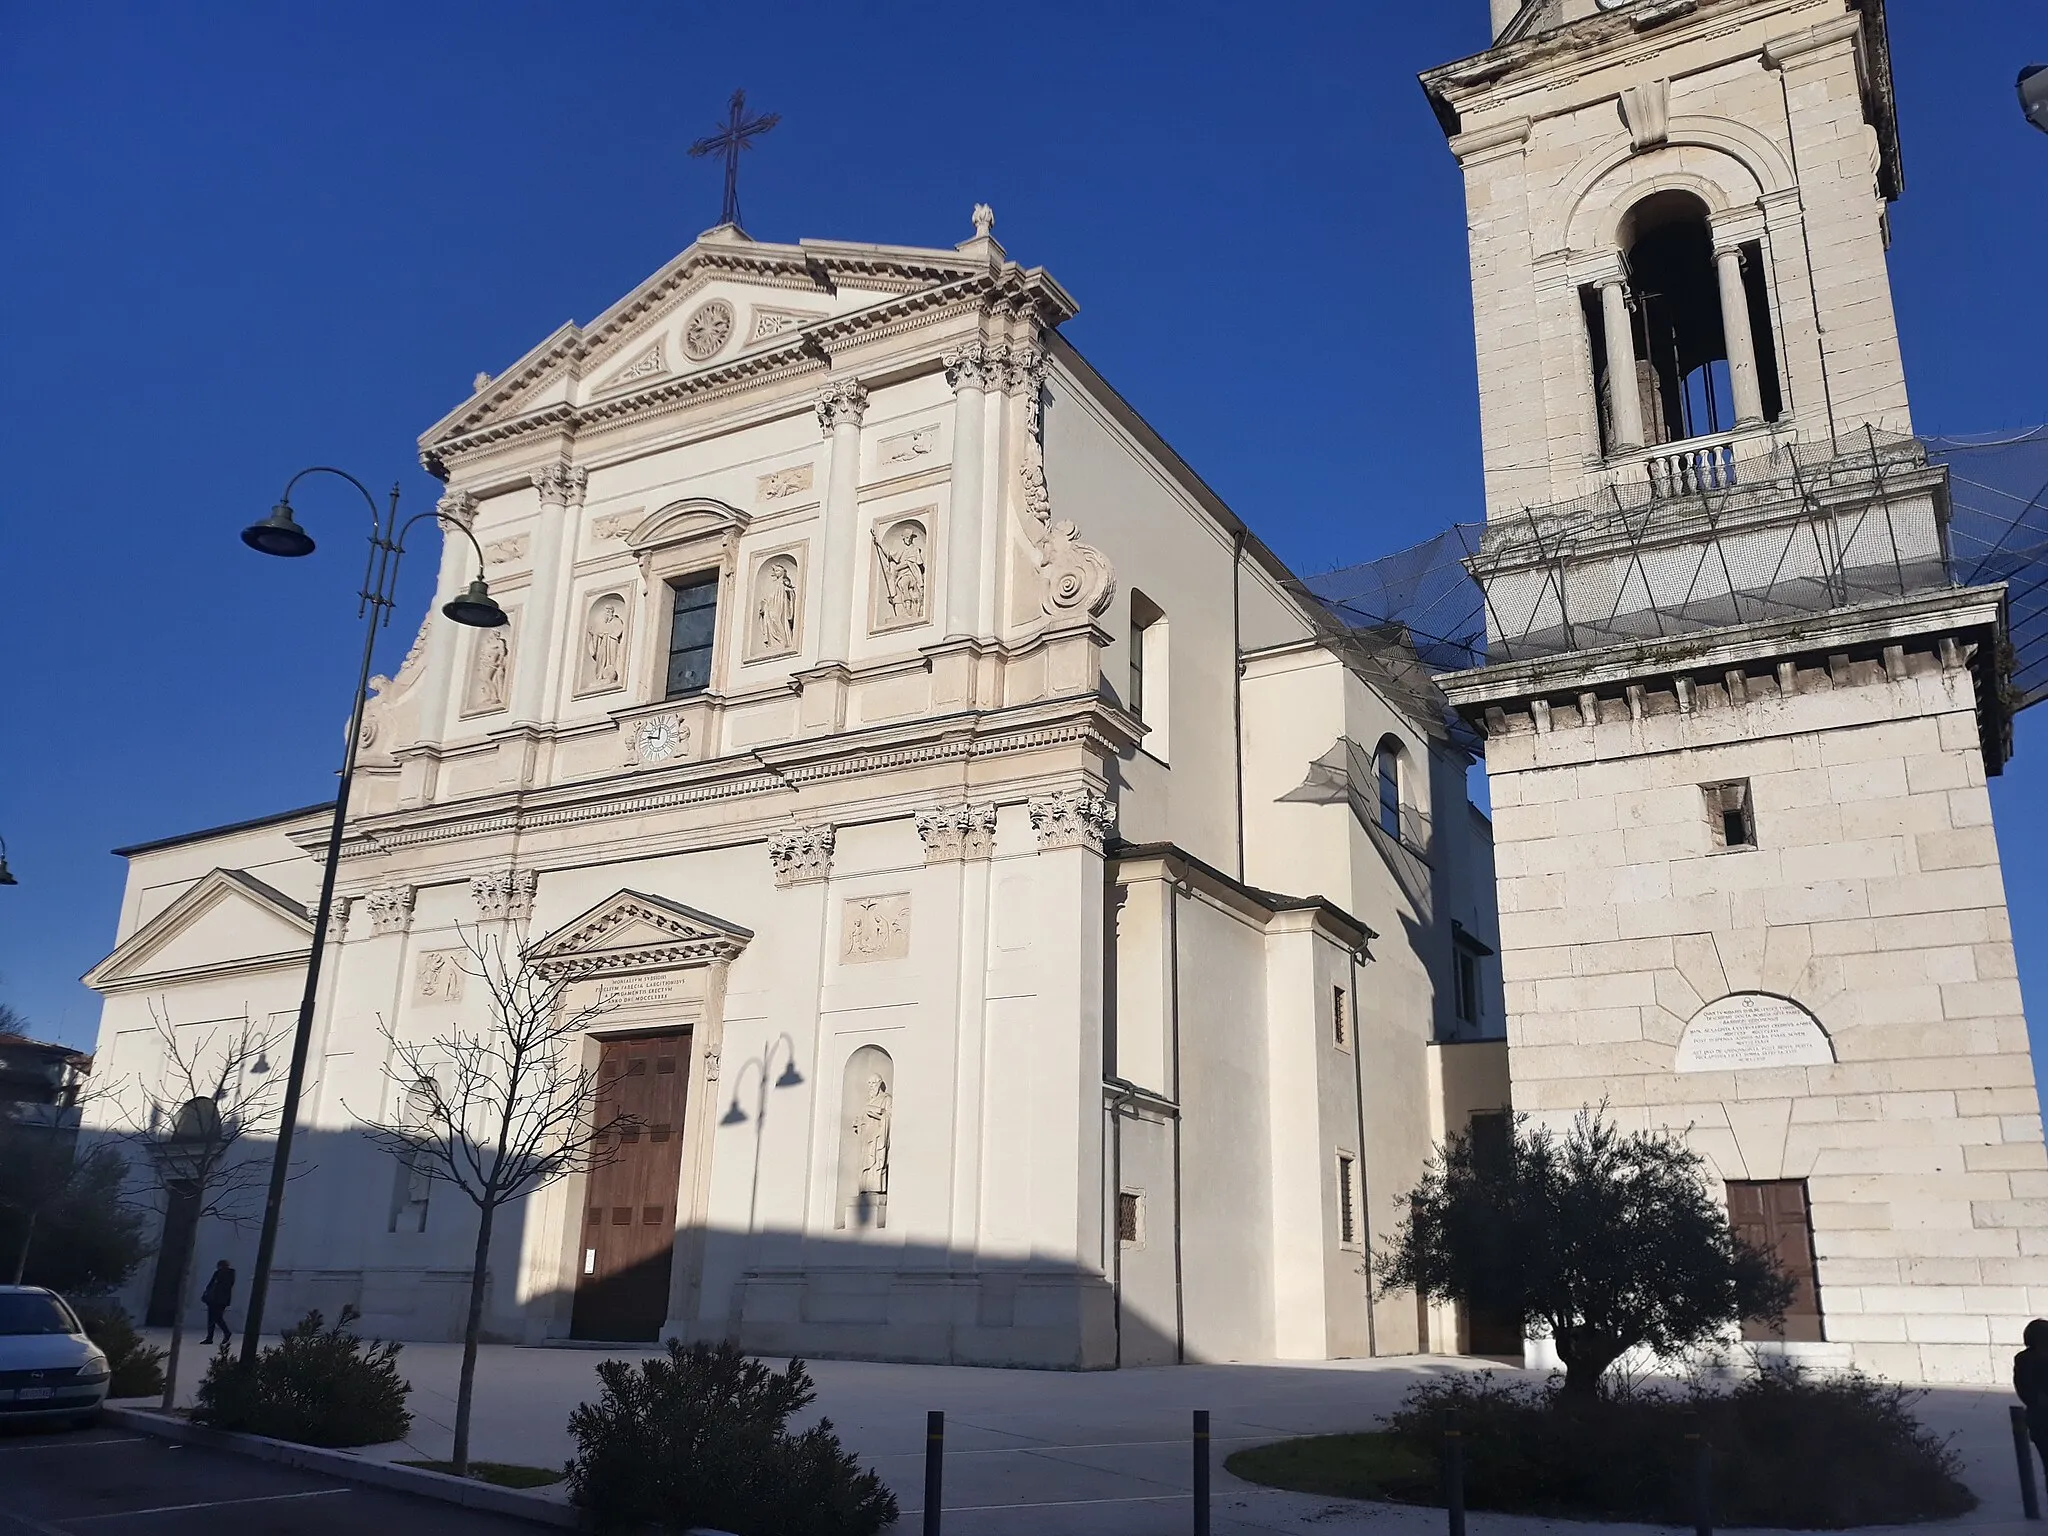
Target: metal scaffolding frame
pixel 1807 530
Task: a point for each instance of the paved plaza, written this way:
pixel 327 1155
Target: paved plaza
pixel 1091 1453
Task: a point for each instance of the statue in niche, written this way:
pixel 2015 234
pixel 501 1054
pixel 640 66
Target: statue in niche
pixel 871 1129
pixel 775 607
pixel 867 1118
pixel 490 673
pixel 604 643
pixel 901 583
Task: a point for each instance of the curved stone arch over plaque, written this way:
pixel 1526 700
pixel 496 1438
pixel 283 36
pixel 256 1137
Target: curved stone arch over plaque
pixel 867 1111
pixel 1749 1031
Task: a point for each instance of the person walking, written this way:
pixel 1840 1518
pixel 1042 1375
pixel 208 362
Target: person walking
pixel 2030 1381
pixel 220 1290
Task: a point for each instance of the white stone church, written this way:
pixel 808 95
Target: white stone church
pixel 1045 936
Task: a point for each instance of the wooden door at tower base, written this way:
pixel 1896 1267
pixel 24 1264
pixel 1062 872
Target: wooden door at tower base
pixel 1772 1216
pixel 629 1200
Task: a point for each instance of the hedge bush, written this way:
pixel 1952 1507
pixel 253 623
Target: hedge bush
pixel 316 1386
pixel 1789 1449
pixel 699 1437
pixel 138 1366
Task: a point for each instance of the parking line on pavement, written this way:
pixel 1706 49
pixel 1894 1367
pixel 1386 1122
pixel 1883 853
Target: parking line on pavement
pixel 172 1509
pixel 34 1525
pixel 984 1509
pixel 65 1445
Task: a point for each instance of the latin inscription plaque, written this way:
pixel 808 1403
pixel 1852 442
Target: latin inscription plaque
pixel 1750 1030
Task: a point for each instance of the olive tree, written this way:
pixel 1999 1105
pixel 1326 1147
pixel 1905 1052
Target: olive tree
pixel 498 1109
pixel 1602 1241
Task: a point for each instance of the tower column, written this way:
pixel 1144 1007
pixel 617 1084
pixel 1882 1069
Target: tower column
pixel 1742 374
pixel 1624 388
pixel 841 408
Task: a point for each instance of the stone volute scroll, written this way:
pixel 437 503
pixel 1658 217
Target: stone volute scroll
pixel 1078 580
pixel 842 403
pixel 1073 818
pixel 866 1125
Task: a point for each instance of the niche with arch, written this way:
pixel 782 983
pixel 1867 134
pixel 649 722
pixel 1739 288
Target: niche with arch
pixel 606 628
pixel 867 1099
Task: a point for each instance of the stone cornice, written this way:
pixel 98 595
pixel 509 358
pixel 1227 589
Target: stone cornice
pixel 1083 721
pixel 1011 291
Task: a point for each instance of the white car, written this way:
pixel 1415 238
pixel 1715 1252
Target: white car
pixel 49 1369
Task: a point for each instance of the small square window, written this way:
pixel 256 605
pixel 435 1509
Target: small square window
pixel 1731 816
pixel 1340 1019
pixel 1129 1217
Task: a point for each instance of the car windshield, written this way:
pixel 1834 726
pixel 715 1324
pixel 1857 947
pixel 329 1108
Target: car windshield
pixel 34 1312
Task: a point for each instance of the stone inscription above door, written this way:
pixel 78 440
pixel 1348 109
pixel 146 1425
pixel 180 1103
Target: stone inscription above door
pixel 1750 1030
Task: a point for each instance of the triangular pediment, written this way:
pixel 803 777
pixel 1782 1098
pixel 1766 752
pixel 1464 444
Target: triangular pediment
pixel 731 305
pixel 227 921
pixel 633 931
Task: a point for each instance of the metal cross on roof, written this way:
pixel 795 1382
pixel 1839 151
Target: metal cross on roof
pixel 729 141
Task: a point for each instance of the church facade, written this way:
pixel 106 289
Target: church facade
pixel 1026 938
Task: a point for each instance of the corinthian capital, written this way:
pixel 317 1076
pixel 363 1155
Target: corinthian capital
pixel 972 366
pixel 841 403
pixel 955 832
pixel 1073 818
pixel 1024 369
pixel 458 507
pixel 561 483
pixel 504 893
pixel 799 855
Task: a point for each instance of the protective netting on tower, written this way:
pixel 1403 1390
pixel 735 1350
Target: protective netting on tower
pixel 1708 538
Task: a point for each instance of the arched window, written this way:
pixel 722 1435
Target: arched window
pixel 1389 771
pixel 1694 320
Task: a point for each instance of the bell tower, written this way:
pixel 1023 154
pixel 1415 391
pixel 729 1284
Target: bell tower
pixel 1738 712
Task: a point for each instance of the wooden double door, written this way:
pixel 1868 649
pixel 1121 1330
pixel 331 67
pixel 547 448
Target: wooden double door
pixel 629 1215
pixel 1772 1215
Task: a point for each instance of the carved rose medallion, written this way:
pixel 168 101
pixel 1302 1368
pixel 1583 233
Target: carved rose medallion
pixel 706 332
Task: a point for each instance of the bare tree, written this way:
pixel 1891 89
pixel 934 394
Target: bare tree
pixel 200 1128
pixel 499 1111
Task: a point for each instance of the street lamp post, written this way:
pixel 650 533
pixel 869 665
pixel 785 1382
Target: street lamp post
pixel 280 534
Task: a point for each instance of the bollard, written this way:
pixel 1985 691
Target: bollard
pixel 1702 1477
pixel 1201 1472
pixel 2023 1449
pixel 1454 1473
pixel 934 1468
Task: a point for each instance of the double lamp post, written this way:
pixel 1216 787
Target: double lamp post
pixel 280 534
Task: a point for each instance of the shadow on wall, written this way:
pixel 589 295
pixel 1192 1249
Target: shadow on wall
pixel 362 1229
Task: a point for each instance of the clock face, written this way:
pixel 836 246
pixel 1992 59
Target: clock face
pixel 659 739
pixel 708 330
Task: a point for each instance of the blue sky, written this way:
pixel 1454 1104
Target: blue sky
pixel 240 238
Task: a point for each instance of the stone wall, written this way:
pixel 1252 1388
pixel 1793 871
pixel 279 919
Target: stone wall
pixel 1873 898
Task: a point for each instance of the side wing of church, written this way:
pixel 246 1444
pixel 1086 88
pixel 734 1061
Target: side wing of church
pixel 1027 937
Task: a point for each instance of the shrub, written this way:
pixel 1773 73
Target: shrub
pixel 317 1386
pixel 1789 1450
pixel 137 1365
pixel 699 1437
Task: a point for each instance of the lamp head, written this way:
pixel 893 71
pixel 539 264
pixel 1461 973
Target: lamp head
pixel 6 874
pixel 2034 95
pixel 477 608
pixel 278 534
pixel 790 1078
pixel 733 1115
